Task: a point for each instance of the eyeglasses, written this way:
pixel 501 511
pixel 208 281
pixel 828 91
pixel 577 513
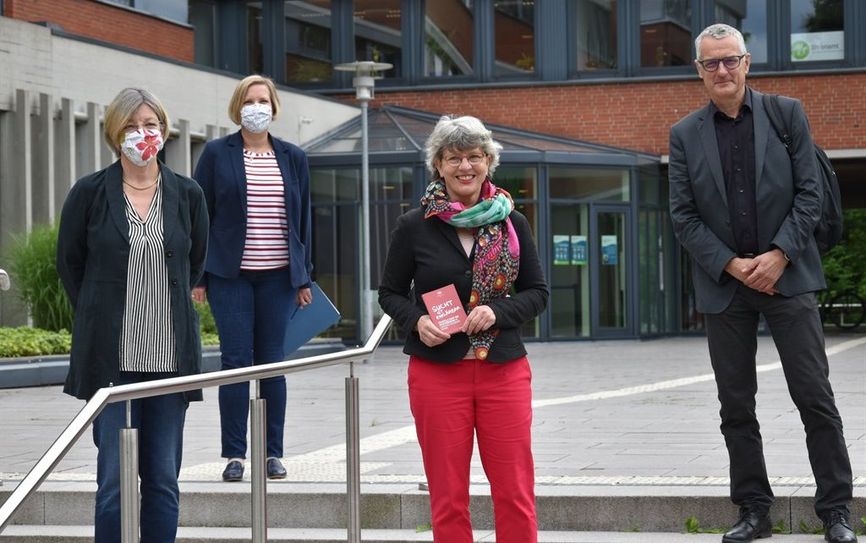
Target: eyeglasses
pixel 150 127
pixel 712 64
pixel 456 161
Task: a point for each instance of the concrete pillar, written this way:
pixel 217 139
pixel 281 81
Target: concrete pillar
pixel 64 154
pixel 88 149
pixel 178 155
pixel 43 162
pixel 21 204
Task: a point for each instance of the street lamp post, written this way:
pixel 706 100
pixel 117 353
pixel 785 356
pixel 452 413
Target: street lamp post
pixel 364 81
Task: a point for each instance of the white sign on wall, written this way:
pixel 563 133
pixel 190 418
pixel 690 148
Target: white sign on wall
pixel 811 46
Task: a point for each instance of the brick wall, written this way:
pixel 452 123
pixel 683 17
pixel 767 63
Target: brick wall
pixel 127 28
pixel 638 115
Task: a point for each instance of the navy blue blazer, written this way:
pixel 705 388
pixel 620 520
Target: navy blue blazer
pixel 220 172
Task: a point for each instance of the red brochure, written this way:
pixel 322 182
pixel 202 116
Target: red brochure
pixel 444 307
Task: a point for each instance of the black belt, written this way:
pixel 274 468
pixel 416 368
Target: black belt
pixel 747 255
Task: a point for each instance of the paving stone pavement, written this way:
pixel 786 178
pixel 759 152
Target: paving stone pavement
pixel 606 413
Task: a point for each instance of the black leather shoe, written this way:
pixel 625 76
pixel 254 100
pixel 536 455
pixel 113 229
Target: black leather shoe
pixel 837 529
pixel 234 471
pixel 751 525
pixel 276 469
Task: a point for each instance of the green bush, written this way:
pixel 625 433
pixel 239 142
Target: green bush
pixel 209 335
pixel 34 274
pixel 845 264
pixel 26 341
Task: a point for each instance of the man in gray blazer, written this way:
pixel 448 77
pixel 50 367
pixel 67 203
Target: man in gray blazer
pixel 746 211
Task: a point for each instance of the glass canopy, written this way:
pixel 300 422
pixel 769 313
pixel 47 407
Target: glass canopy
pixel 394 130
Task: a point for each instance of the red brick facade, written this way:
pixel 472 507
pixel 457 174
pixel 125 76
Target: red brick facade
pixel 112 24
pixel 637 115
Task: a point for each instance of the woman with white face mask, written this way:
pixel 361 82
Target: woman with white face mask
pixel 258 268
pixel 131 246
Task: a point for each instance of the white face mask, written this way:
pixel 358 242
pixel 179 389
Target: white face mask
pixel 141 146
pixel 256 117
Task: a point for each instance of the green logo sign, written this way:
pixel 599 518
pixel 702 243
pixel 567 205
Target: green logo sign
pixel 800 50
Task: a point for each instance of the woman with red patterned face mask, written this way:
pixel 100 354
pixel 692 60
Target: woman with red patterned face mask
pixel 473 381
pixel 131 245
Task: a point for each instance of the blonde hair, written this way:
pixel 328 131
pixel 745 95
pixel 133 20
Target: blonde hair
pixel 123 107
pixel 237 101
pixel 460 134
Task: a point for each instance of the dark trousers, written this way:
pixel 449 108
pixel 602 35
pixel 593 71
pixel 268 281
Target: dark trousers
pixel 799 337
pixel 251 313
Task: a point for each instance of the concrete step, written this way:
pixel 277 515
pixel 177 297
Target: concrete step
pixel 78 534
pixel 405 507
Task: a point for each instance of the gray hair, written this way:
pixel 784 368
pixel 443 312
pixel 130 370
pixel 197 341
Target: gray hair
pixel 461 134
pixel 719 31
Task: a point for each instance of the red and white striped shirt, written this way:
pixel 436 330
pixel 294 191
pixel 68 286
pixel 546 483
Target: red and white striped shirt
pixel 266 246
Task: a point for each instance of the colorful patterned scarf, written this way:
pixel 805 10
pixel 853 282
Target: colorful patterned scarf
pixel 497 251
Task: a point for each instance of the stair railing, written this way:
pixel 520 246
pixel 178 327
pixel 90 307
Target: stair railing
pixel 129 446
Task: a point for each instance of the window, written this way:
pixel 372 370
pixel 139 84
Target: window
pixel 595 31
pixel 610 185
pixel 514 35
pixel 308 40
pixel 378 35
pixel 665 33
pixel 817 30
pixel 449 36
pixel 750 18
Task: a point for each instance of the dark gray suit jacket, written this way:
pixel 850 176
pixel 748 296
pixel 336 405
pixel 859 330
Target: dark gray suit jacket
pixel 788 197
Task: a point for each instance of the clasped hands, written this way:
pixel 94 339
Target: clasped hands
pixel 479 319
pixel 760 272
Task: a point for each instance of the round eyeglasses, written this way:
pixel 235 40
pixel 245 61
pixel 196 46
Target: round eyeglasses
pixel 730 63
pixel 456 161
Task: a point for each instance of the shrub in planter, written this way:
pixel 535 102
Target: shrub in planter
pixel 24 341
pixel 35 275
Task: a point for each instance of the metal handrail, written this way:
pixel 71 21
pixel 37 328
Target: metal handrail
pixel 133 391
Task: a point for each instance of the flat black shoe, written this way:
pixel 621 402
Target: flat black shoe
pixel 276 469
pixel 234 471
pixel 751 525
pixel 837 529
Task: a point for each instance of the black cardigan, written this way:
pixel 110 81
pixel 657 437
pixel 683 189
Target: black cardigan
pixel 428 252
pixel 92 260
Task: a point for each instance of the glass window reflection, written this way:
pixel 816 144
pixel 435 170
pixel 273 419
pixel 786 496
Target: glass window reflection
pixel 449 35
pixel 308 40
pixel 817 30
pixel 514 27
pixel 378 34
pixel 595 29
pixel 665 33
pixel 610 185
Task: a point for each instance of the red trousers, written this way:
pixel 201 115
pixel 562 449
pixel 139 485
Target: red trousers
pixel 451 404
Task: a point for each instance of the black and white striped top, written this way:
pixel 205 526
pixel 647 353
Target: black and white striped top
pixel 147 342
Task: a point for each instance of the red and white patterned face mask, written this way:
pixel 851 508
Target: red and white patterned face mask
pixel 141 146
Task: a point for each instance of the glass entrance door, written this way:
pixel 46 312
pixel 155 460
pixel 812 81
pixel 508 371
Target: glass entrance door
pixel 611 297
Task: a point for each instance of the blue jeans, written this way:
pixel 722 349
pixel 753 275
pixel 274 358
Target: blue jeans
pixel 251 314
pixel 160 446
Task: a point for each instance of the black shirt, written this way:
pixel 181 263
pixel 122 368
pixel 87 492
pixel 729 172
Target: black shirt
pixel 736 139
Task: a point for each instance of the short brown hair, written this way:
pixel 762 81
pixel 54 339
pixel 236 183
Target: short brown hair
pixel 237 101
pixel 123 107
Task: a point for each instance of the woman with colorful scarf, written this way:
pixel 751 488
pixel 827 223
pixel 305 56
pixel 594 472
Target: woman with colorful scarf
pixel 475 381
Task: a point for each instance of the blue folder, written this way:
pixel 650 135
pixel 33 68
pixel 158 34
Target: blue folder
pixel 310 321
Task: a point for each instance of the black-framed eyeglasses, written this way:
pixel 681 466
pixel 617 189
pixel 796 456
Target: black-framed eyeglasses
pixel 712 64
